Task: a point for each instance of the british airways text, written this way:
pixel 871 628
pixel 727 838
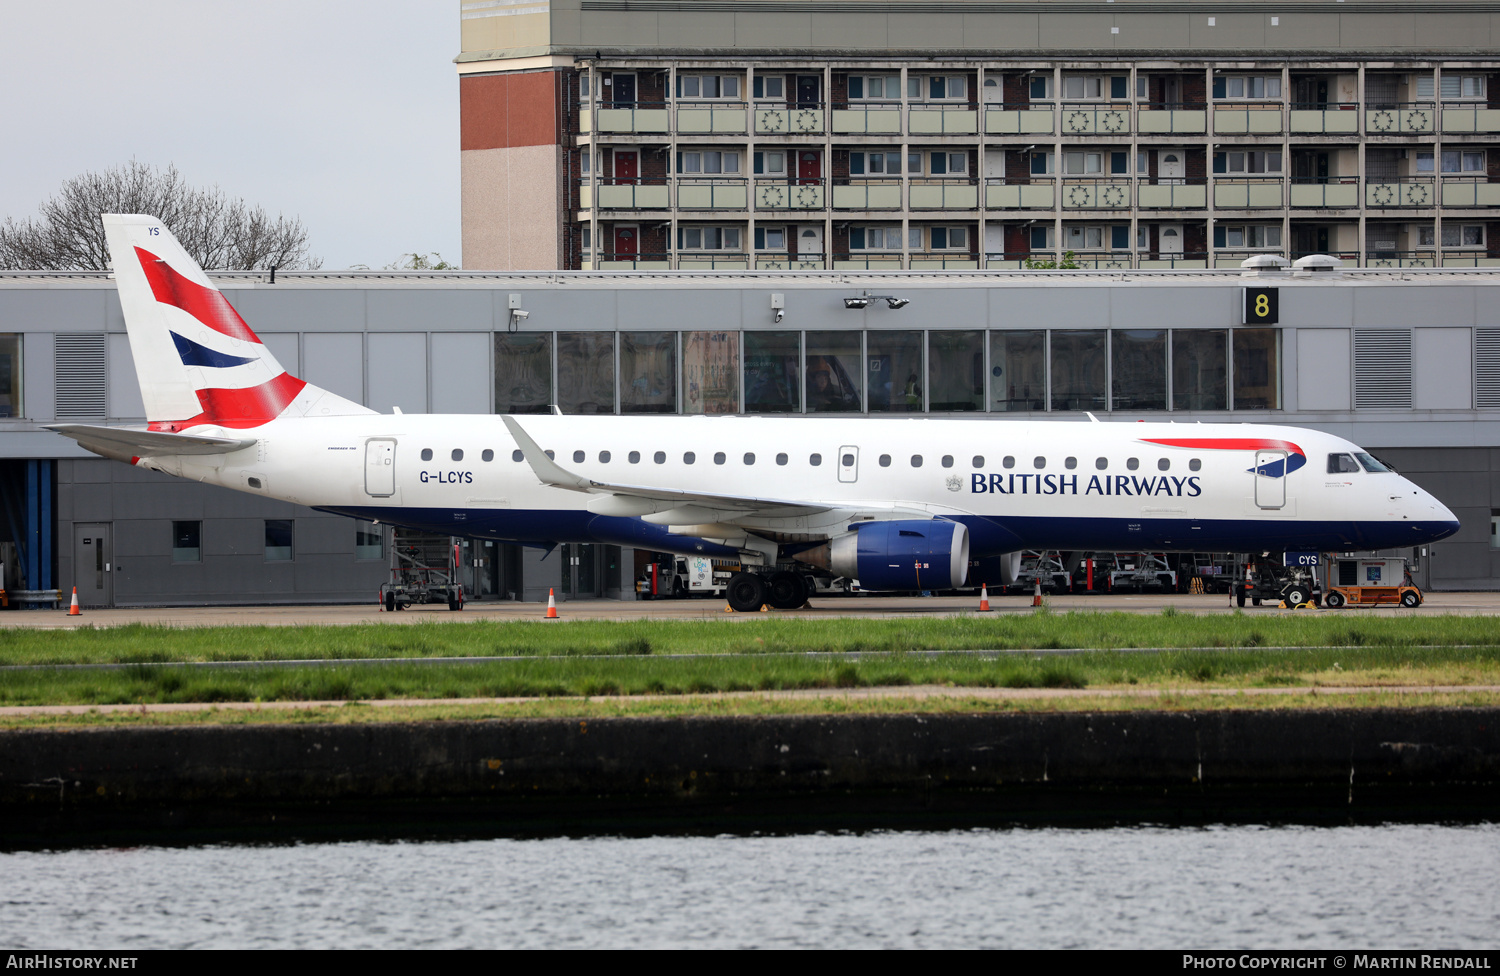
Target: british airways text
pixel 1067 484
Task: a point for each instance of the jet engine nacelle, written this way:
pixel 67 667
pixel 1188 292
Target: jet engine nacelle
pixel 1002 570
pixel 907 554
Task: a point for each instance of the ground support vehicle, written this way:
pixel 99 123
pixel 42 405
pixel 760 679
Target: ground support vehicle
pixel 1267 578
pixel 1139 572
pixel 1047 568
pixel 1351 581
pixel 683 576
pixel 424 569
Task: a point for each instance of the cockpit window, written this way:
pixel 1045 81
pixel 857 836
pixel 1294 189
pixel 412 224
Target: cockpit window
pixel 1370 464
pixel 1341 464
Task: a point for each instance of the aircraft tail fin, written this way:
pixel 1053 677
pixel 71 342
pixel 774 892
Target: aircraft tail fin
pixel 197 361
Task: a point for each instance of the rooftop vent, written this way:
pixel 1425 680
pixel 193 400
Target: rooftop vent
pixel 1316 264
pixel 1264 266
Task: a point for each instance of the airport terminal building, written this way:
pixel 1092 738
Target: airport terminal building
pixel 1404 362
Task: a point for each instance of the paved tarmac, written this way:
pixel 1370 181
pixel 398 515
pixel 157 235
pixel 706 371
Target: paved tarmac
pixel 865 607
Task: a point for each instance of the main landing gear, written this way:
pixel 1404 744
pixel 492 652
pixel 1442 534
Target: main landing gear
pixel 748 592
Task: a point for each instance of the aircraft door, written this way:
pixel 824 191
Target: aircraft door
pixel 849 464
pixel 380 467
pixel 1270 479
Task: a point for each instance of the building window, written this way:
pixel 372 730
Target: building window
pixel 876 163
pixel 278 540
pixel 523 372
pixel 369 540
pixel 770 86
pixel 1088 87
pixel 1042 237
pixel 586 372
pixel 708 238
pixel 772 383
pixel 1247 161
pixel 10 375
pixel 1139 374
pixel 1042 163
pixel 770 238
pixel 874 238
pixel 1200 369
pixel 1455 86
pixel 1086 237
pixel 1454 235
pixel 1247 86
pixel 1247 235
pixel 1083 163
pixel 770 163
pixel 708 86
pixel 833 372
pixel 186 542
pixel 707 162
pixel 887 87
pixel 955 370
pixel 1079 366
pixel 1040 87
pixel 895 371
pixel 941 163
pixel 1257 369
pixel 648 372
pixel 1454 161
pixel 1018 370
pixel 936 87
pixel 945 238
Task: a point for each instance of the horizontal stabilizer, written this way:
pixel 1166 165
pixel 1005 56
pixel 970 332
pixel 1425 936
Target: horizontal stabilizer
pixel 128 442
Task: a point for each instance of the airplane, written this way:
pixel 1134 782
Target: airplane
pixel 898 504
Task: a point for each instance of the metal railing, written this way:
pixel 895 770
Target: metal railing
pixel 947 120
pixel 1028 193
pixel 1401 191
pixel 868 118
pixel 1470 191
pixel 790 194
pixel 1173 193
pixel 789 120
pixel 1247 118
pixel 1169 118
pixel 1327 192
pixel 942 193
pixel 712 193
pixel 1398 118
pixel 1460 117
pixel 1400 259
pixel 868 192
pixel 1096 192
pixel 1091 118
pixel 1330 118
pixel 713 117
pixel 1035 118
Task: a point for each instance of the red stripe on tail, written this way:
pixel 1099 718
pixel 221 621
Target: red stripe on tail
pixel 204 304
pixel 249 407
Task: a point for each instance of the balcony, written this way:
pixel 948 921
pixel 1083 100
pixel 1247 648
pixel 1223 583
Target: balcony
pixel 789 262
pixel 1088 118
pixel 628 118
pixel 784 120
pixel 867 194
pixel 940 194
pixel 866 262
pixel 1108 261
pixel 1400 259
pixel 1409 118
pixel 1333 192
pixel 1248 193
pixel 711 194
pixel 627 262
pixel 1407 191
pixel 1232 259
pixel 1034 193
pixel 1258 119
pixel 942 120
pixel 716 261
pixel 1178 194
pixel 617 194
pixel 1460 117
pixel 940 261
pixel 1171 119
pixel 790 195
pixel 1474 259
pixel 1100 193
pixel 711 118
pixel 876 119
pixel 1018 122
pixel 1470 192
pixel 1188 261
pixel 1340 120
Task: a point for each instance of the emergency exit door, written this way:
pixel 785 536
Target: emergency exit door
pixel 93 566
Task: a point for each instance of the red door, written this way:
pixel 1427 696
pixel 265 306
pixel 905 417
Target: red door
pixel 626 167
pixel 626 244
pixel 809 166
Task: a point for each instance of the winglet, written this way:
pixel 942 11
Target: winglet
pixel 548 471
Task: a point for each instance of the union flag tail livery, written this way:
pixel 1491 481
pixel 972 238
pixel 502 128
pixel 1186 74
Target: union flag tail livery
pixel 898 504
pixel 197 361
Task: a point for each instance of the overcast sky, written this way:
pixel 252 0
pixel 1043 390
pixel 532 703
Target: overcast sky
pixel 342 113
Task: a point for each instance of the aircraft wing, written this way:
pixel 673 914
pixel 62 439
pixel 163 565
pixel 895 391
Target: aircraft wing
pixel 128 442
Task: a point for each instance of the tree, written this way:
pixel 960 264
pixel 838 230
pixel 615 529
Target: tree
pixel 1068 263
pixel 219 232
pixel 432 261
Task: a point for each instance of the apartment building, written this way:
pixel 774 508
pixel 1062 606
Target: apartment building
pixel 976 134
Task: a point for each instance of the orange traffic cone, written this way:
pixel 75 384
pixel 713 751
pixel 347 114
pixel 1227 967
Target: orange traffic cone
pixel 984 598
pixel 551 606
pixel 73 610
pixel 1036 594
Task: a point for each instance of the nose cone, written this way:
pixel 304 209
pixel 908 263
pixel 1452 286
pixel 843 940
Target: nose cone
pixel 1436 521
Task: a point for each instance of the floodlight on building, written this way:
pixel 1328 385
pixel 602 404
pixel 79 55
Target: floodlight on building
pixel 895 303
pixel 856 303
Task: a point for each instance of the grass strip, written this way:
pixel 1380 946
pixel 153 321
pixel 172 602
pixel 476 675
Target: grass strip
pixel 160 644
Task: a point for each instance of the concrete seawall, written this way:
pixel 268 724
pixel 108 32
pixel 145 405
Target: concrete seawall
pixel 531 773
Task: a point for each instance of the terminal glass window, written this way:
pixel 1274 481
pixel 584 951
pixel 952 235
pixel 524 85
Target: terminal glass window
pixel 1078 370
pixel 894 367
pixel 1200 369
pixel 648 372
pixel 1257 369
pixel 10 376
pixel 772 381
pixel 1018 371
pixel 833 372
pixel 523 372
pixel 586 372
pixel 369 540
pixel 955 370
pixel 711 372
pixel 1139 374
pixel 278 540
pixel 185 542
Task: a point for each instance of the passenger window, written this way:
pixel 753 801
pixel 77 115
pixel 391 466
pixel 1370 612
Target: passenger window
pixel 577 457
pixel 634 457
pixel 514 455
pixel 1195 465
pixel 1132 463
pixel 603 457
pixel 719 458
pixel 947 460
pixel 551 455
pixel 1342 464
pixel 916 460
pixel 885 460
pixel 979 460
pixel 815 459
pixel 458 454
pixel 427 454
pixel 749 458
pixel 689 457
pixel 660 457
pixel 1039 463
pixel 1009 462
pixel 1070 463
pixel 487 455
pixel 1101 463
pixel 781 459
pixel 848 461
pixel 1164 464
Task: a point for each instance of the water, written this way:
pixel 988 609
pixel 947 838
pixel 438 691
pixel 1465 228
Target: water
pixel 1395 886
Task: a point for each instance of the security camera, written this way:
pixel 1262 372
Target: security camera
pixel 856 303
pixel 780 314
pixel 520 313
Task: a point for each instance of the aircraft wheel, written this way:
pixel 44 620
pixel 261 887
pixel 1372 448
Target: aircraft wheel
pixel 746 592
pixel 1410 599
pixel 785 591
pixel 679 589
pixel 1294 596
pixel 1333 600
